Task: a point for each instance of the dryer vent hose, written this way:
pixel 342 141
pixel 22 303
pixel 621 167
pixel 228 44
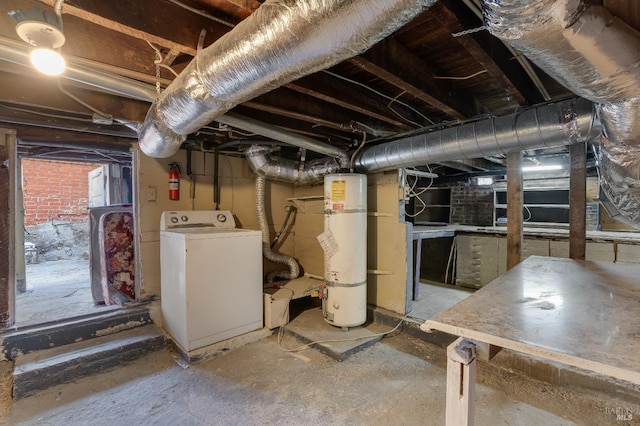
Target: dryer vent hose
pixel 294 269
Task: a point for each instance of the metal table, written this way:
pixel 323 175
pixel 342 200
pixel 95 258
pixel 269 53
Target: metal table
pixel 579 313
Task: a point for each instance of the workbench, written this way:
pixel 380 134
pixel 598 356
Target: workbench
pixel 579 313
pixel 422 232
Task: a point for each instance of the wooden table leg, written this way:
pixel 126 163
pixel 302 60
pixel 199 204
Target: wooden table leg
pixel 461 382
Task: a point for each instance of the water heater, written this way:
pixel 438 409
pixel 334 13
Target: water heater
pixel 344 241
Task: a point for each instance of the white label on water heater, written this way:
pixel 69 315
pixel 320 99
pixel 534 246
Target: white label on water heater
pixel 328 243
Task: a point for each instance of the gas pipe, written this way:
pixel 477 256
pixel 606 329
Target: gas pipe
pixel 174 181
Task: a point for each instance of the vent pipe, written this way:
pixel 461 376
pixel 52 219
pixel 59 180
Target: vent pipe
pixel 546 126
pixel 293 267
pixel 262 163
pixel 596 56
pixel 280 42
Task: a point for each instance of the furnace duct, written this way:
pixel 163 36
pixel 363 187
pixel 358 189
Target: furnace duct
pixel 549 125
pixel 294 269
pixel 262 163
pixel 597 56
pixel 280 42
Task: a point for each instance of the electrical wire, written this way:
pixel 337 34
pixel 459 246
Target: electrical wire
pixel 397 113
pixel 201 13
pixel 353 157
pixel 413 194
pixel 158 61
pixel 528 211
pixel 44 114
pixel 57 8
pixel 83 103
pixel 380 94
pixel 308 345
pixel 459 78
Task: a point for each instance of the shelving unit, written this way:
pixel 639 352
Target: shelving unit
pixel 545 203
pixel 438 209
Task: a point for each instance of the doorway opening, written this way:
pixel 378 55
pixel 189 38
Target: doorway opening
pixel 75 222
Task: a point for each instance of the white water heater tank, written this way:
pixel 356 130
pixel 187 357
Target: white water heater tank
pixel 344 241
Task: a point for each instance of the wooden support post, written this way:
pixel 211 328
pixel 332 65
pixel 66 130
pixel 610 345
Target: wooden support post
pixel 461 383
pixel 578 201
pixel 514 209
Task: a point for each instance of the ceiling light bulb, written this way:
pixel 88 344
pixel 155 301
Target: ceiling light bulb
pixel 541 168
pixel 48 61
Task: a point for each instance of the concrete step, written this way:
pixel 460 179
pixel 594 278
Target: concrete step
pixel 37 338
pixel 43 369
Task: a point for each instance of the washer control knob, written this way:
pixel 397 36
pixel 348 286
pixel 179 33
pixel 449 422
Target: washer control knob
pixel 222 218
pixel 174 219
pixel 184 218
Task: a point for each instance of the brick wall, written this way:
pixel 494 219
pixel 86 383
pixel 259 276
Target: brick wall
pixel 472 205
pixel 55 191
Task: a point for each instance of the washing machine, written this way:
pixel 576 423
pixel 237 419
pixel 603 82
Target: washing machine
pixel 211 277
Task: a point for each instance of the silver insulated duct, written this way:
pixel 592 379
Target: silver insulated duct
pixel 280 42
pixel 596 56
pixel 262 163
pixel 549 125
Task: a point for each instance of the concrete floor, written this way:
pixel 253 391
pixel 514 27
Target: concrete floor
pixel 56 290
pixel 434 298
pixel 398 381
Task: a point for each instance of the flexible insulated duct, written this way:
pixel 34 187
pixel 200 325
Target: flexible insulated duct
pixel 262 163
pixel 281 41
pixel 596 56
pixel 294 269
pixel 550 125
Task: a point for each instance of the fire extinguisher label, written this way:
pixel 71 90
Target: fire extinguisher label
pixel 174 185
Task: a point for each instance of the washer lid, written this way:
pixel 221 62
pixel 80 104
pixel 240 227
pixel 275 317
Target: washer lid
pixel 210 232
pixel 196 219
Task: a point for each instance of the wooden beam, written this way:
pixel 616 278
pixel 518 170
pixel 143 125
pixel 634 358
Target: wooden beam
pixel 489 51
pixel 397 65
pixel 514 209
pixel 447 15
pixel 292 104
pixel 145 20
pixel 346 96
pixel 578 201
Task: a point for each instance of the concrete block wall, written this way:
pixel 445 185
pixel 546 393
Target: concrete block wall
pixel 472 205
pixel 55 191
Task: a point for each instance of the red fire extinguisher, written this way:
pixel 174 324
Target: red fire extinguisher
pixel 174 181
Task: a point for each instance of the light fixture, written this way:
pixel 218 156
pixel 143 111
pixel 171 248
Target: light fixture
pixel 42 30
pixel 542 168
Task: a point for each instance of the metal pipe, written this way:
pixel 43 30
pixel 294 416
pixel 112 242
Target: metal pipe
pixel 280 42
pixel 267 130
pixel 133 89
pixel 262 163
pixel 12 52
pixel 549 125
